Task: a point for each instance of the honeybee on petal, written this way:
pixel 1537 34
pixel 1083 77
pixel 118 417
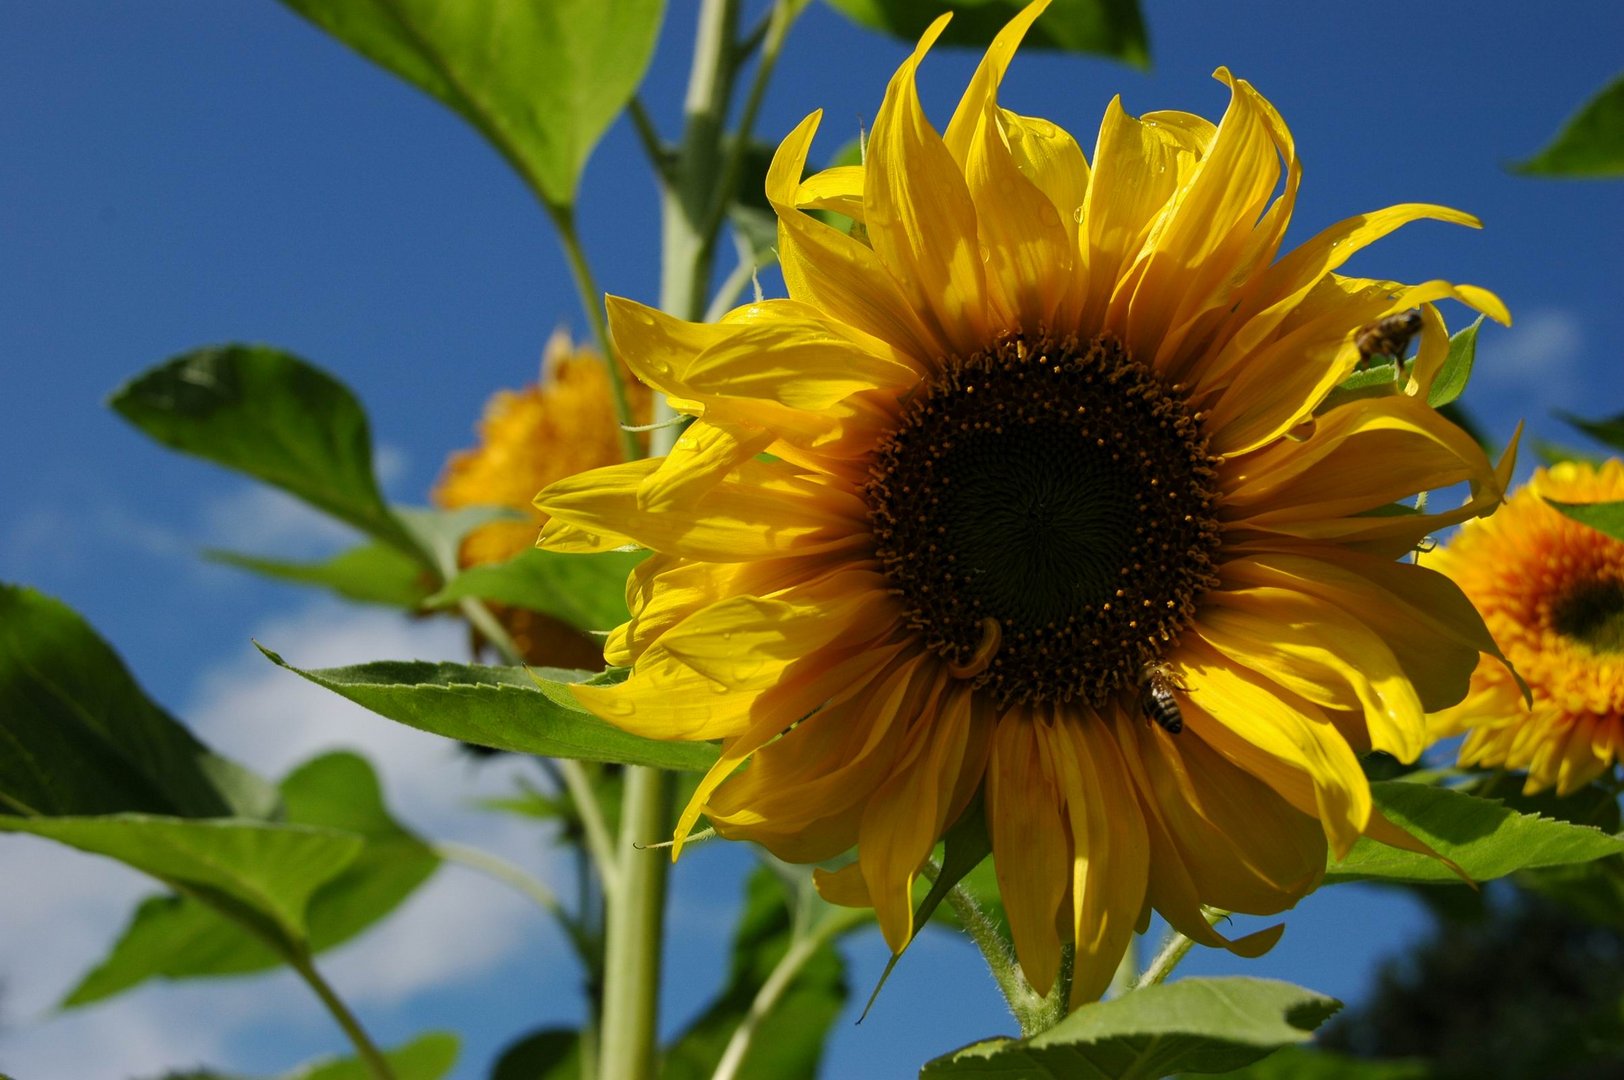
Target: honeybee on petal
pixel 1388 337
pixel 1157 688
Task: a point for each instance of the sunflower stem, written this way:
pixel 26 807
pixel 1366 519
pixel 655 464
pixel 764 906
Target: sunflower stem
pixel 1030 1009
pixel 1174 949
pixel 636 912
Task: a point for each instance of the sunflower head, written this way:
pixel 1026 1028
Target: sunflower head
pixel 1029 489
pixel 1552 593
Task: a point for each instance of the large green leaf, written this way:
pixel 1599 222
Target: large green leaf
pixel 428 1057
pixel 265 871
pixel 541 81
pixel 586 591
pixel 1605 517
pixel 525 710
pixel 1107 27
pixel 371 573
pixel 272 416
pixel 1481 836
pixel 177 937
pixel 1590 144
pixel 78 736
pixel 789 1038
pixel 1189 1026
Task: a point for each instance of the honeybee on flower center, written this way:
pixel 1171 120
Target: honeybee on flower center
pixel 1157 700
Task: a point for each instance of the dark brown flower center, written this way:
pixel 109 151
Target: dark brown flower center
pixel 1046 511
pixel 1593 614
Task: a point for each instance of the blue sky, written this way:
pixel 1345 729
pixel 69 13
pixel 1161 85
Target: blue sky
pixel 177 174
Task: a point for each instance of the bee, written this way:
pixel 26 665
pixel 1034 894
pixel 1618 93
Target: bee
pixel 1388 337
pixel 1156 686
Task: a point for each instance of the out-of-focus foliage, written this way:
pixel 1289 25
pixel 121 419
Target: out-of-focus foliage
pixel 1590 144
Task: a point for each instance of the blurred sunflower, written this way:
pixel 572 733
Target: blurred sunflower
pixel 564 423
pixel 1040 432
pixel 1552 593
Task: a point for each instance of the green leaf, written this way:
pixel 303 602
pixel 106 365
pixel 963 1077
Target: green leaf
pixel 440 532
pixel 1604 517
pixel 1193 1025
pixel 550 1054
pixel 427 1057
pixel 1590 144
pixel 1106 27
pixel 541 81
pixel 789 1038
pixel 1609 431
pixel 1481 836
pixel 78 736
pixel 1550 453
pixel 1299 1063
pixel 372 573
pixel 586 591
pixel 177 937
pixel 250 867
pixel 272 416
pixel 1452 378
pixel 525 710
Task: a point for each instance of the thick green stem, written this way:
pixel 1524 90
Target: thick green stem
pixel 369 1053
pixel 636 912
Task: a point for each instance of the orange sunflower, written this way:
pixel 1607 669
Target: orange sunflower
pixel 1033 454
pixel 1552 593
pixel 563 423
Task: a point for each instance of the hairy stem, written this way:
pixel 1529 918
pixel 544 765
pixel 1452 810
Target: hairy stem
pixel 1174 949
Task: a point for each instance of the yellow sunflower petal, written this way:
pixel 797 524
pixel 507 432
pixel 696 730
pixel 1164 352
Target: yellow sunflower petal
pixel 1198 243
pixel 1432 628
pixel 700 459
pixel 1111 858
pixel 1243 847
pixel 761 510
pixel 839 189
pixel 833 272
pixel 921 221
pixel 907 814
pixel 745 642
pixel 803 795
pixel 1310 647
pixel 1029 844
pixel 1265 729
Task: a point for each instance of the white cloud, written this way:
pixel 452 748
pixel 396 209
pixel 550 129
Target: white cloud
pixel 61 910
pixel 1542 350
pixel 262 520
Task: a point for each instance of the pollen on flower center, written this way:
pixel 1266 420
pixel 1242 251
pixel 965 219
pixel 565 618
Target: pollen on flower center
pixel 1050 502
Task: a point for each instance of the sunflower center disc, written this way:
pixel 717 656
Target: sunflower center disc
pixel 1059 489
pixel 1594 615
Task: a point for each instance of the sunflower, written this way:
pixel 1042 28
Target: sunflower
pixel 563 423
pixel 1036 441
pixel 1552 593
